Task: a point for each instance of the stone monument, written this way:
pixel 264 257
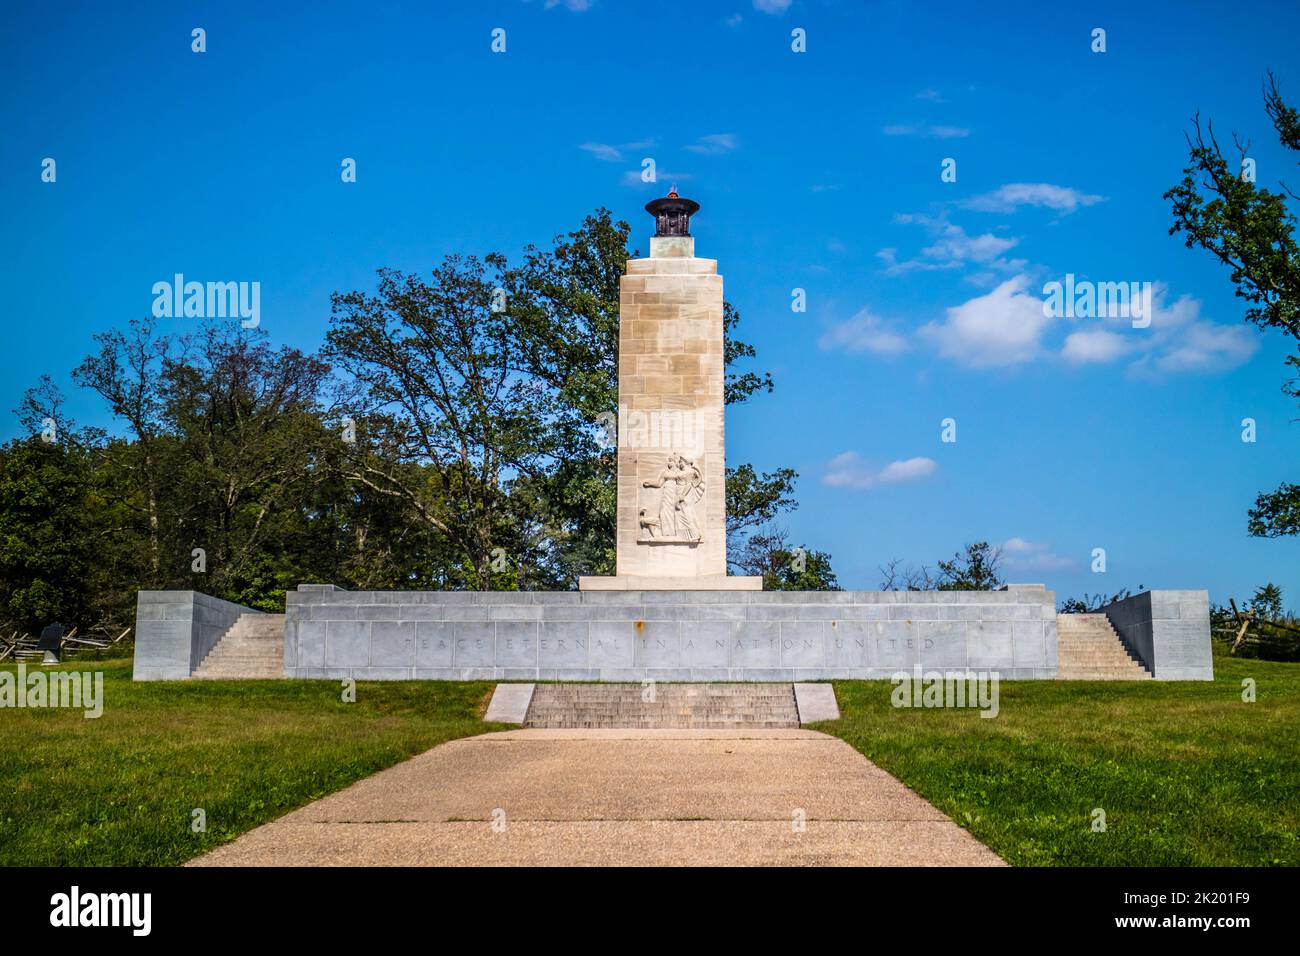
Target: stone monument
pixel 672 499
pixel 671 612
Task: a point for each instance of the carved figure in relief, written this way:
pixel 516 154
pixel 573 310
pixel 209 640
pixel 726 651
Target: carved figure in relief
pixel 681 486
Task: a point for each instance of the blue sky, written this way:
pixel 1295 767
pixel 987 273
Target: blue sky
pixel 817 170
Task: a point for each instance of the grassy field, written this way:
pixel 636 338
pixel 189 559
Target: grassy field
pixel 121 789
pixel 1187 774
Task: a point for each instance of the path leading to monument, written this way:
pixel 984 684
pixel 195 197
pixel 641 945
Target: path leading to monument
pixel 619 797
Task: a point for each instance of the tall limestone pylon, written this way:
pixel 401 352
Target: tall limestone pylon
pixel 672 498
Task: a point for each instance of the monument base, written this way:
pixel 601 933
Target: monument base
pixel 643 582
pixel 685 635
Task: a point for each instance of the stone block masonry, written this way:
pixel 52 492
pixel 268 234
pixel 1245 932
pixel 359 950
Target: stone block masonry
pixel 688 635
pixel 174 630
pixel 671 482
pixel 671 364
pixel 1168 630
pixel 666 635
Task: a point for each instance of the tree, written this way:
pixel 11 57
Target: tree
pixel 1251 230
pixel 1267 601
pixel 754 500
pixel 127 373
pixel 782 567
pixel 46 536
pixel 456 443
pixel 564 305
pixel 249 433
pixel 1276 514
pixel 1091 603
pixel 739 386
pixel 224 438
pixel 975 569
pixel 440 365
pixel 896 576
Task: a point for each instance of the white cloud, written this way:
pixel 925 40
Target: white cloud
pixel 1012 196
pixel 1207 347
pixel 774 7
pixel 864 332
pixel 956 245
pixel 1094 345
pixel 576 6
pixel 933 96
pixel 632 177
pixel 1182 341
pixel 1004 327
pixel 603 151
pixel 910 469
pixel 714 144
pixel 615 154
pixel 932 132
pixel 733 20
pixel 850 471
pixel 1019 553
pixel 953 248
pixel 1178 340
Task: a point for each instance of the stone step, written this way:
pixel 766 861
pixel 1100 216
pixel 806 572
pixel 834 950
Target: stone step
pixel 251 649
pixel 657 706
pixel 662 689
pixel 1115 653
pixel 1094 675
pixel 661 699
pixel 693 725
pixel 1087 648
pixel 590 706
pixel 662 712
pixel 662 705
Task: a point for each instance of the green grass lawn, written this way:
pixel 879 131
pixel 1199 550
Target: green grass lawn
pixel 1187 774
pixel 120 789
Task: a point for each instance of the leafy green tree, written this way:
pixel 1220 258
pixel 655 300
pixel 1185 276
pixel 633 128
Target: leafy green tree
pixel 440 364
pixel 246 418
pixel 1250 229
pixel 1276 513
pixel 128 374
pixel 46 555
pixel 974 569
pixel 1091 603
pixel 785 568
pixel 1267 601
pixel 739 386
pixel 456 443
pixel 753 500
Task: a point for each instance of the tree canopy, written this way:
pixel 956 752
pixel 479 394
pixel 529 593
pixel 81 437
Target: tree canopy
pixel 1219 206
pixel 448 434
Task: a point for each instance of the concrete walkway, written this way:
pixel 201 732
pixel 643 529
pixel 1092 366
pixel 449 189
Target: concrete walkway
pixel 619 797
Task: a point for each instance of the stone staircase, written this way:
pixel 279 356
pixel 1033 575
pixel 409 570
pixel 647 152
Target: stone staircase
pixel 252 648
pixel 674 706
pixel 1089 649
